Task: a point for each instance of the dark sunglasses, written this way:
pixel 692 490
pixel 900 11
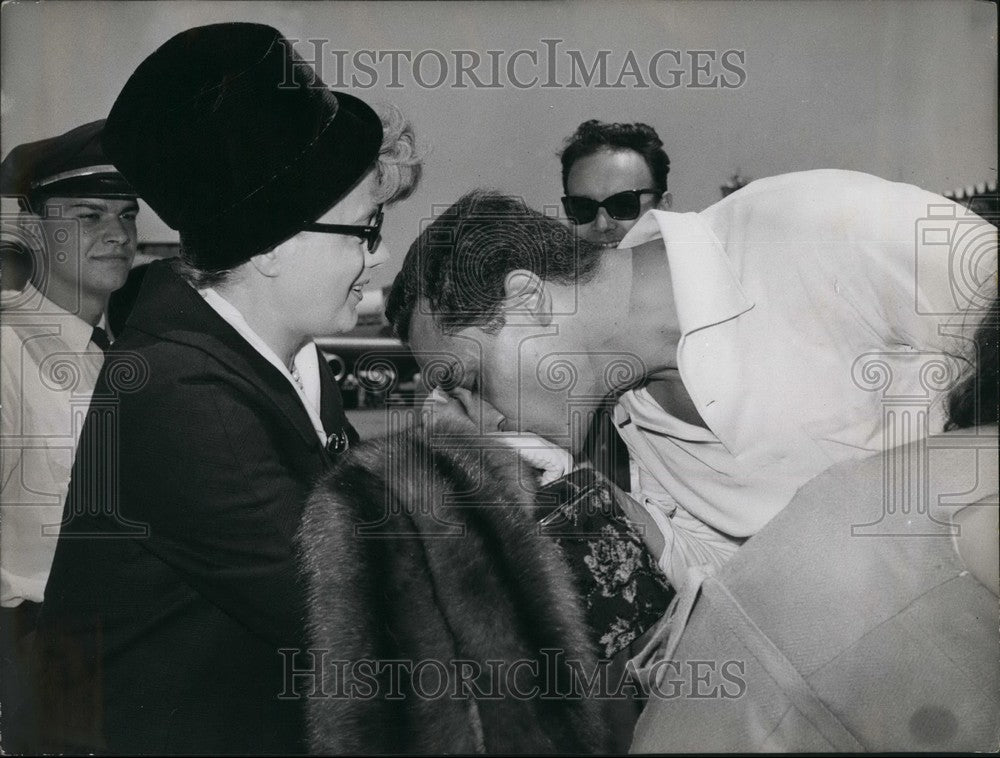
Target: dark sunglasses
pixel 622 206
pixel 370 234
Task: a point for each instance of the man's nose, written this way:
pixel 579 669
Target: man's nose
pixel 603 220
pixel 118 231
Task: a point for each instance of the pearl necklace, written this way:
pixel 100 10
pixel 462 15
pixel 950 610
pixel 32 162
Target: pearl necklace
pixel 294 371
pixel 338 442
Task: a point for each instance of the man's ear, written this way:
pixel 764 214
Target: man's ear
pixel 666 201
pixel 268 264
pixel 525 294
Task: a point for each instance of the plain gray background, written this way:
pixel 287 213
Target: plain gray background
pixel 902 89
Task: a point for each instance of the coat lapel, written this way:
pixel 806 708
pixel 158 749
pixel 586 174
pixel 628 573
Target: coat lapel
pixel 169 308
pixel 331 406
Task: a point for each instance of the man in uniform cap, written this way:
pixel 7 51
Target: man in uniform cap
pixel 73 241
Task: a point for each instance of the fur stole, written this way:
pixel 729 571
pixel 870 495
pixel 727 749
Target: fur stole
pixel 445 622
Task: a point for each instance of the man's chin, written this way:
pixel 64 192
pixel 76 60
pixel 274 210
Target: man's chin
pixel 110 282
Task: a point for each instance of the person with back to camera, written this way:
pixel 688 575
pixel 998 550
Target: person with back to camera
pixel 176 579
pixel 845 640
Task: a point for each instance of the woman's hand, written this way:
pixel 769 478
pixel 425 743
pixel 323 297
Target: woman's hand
pixel 463 407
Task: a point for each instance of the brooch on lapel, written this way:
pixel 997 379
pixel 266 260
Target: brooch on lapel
pixel 338 442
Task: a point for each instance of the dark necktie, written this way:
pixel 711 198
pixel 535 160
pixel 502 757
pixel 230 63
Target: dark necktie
pixel 100 338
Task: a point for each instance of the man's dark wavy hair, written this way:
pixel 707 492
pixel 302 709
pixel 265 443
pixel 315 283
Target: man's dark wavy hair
pixel 458 264
pixel 974 401
pixel 593 136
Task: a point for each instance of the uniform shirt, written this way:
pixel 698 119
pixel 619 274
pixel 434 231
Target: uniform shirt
pixel 810 307
pixel 49 370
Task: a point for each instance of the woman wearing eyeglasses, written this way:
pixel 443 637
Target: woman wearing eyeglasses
pixel 177 584
pixel 612 174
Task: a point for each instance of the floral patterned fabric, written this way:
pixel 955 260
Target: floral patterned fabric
pixel 623 590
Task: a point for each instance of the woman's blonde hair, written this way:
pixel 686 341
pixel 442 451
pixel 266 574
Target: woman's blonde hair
pixel 399 162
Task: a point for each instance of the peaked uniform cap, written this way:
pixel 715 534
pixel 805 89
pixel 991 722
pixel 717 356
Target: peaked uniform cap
pixel 72 164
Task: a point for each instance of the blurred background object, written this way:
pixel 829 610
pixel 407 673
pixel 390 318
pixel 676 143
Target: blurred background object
pixel 981 199
pixel 736 181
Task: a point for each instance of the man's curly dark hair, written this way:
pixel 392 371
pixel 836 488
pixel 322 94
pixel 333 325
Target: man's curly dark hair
pixel 458 265
pixel 593 136
pixel 974 401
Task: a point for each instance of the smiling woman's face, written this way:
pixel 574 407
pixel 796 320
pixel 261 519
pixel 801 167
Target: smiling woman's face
pixel 323 274
pixel 605 173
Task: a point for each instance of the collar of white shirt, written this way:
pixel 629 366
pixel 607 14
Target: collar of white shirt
pixel 31 308
pixel 706 289
pixel 306 360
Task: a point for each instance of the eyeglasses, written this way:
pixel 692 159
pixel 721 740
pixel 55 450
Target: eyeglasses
pixel 370 234
pixel 623 206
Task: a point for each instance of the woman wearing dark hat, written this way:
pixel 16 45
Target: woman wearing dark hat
pixel 175 583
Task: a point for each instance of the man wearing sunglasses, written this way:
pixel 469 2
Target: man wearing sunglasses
pixel 612 174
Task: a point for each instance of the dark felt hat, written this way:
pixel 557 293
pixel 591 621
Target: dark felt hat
pixel 68 165
pixel 236 142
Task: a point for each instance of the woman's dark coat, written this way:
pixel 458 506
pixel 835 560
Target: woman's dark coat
pixel 176 579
